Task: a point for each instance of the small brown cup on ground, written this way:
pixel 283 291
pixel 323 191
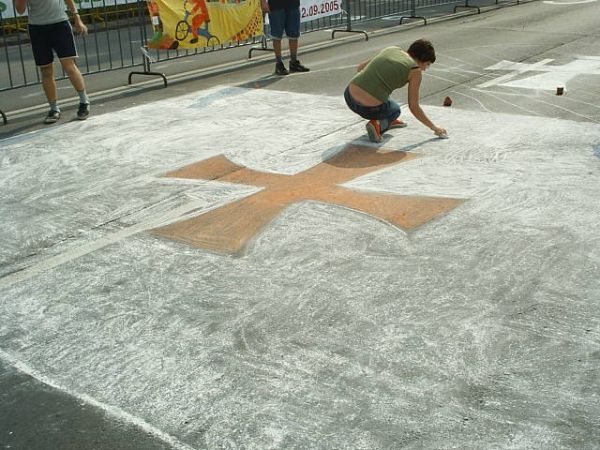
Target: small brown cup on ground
pixel 560 90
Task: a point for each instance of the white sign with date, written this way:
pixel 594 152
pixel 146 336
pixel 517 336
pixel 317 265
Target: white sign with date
pixel 315 9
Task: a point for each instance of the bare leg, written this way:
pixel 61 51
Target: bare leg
pixel 74 74
pixel 293 48
pixel 295 65
pixel 277 48
pixel 48 83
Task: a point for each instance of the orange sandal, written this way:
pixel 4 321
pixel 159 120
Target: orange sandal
pixel 398 124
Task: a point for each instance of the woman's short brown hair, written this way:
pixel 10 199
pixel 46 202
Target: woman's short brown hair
pixel 422 50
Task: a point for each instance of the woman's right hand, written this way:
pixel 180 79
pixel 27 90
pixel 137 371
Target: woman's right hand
pixel 440 131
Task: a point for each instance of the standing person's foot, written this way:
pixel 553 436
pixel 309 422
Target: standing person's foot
pixel 84 111
pixel 52 117
pixel 295 66
pixel 280 68
pixel 374 130
pixel 397 124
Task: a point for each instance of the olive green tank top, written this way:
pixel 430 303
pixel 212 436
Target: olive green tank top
pixel 387 71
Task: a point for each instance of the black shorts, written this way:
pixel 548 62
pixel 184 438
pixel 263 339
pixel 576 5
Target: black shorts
pixel 56 36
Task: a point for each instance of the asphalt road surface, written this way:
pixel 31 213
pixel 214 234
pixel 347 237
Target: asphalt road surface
pixel 168 281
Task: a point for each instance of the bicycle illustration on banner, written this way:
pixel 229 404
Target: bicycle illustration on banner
pixel 203 23
pixel 197 10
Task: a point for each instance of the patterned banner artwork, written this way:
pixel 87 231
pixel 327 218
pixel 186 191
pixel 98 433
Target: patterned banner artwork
pixel 8 11
pixel 203 23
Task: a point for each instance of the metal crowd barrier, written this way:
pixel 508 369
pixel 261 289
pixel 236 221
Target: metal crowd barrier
pixel 118 35
pixel 421 9
pixel 113 42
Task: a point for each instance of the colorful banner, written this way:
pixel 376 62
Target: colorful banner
pixel 7 9
pixel 203 23
pixel 315 9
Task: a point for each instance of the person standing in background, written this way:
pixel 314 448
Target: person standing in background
pixel 284 15
pixel 50 31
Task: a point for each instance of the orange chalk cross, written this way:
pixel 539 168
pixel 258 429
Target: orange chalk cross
pixel 229 228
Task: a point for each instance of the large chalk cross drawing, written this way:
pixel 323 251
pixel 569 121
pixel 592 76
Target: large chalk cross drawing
pixel 229 228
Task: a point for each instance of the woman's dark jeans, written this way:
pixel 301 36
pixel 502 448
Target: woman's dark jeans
pixel 386 113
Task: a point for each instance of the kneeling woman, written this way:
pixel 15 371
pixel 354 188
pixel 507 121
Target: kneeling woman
pixel 368 93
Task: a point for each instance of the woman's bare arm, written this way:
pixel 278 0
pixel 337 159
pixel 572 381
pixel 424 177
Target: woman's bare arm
pixel 414 86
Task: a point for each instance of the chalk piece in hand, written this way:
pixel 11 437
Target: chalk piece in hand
pixel 442 136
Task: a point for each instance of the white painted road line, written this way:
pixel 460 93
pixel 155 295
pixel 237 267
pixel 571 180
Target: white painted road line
pixel 110 410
